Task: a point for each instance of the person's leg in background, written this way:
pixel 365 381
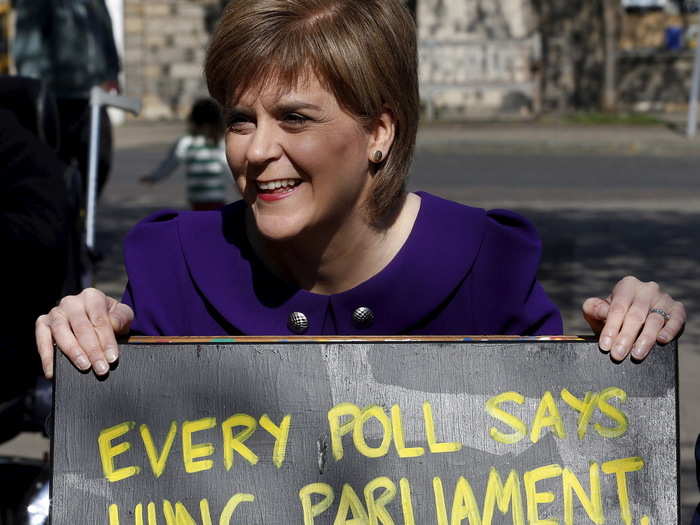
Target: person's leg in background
pixel 74 118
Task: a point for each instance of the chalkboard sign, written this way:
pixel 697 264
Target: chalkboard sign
pixel 373 431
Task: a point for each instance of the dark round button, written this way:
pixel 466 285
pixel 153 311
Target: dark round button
pixel 298 323
pixel 362 317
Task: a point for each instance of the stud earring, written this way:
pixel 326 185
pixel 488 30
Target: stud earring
pixel 378 155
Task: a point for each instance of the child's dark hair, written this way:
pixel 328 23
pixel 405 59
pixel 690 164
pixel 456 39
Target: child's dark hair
pixel 206 119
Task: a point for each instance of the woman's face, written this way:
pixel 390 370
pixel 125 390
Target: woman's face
pixel 299 160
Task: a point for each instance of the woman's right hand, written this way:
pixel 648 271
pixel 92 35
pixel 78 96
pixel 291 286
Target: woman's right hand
pixel 84 327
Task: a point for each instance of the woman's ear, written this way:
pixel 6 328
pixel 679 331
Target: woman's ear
pixel 382 133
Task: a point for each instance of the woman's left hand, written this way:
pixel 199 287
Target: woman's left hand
pixel 633 318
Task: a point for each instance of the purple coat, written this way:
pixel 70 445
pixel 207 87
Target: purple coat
pixel 462 271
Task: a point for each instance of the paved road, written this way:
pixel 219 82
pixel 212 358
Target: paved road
pixel 557 180
pixel 601 216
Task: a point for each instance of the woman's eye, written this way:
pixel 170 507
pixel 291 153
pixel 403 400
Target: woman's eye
pixel 295 119
pixel 238 121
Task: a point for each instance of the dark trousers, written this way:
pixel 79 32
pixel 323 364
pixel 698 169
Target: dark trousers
pixel 74 123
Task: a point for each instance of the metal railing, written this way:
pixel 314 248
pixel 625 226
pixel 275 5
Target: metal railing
pixel 694 86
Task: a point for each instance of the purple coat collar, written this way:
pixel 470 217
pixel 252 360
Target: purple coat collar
pixel 438 254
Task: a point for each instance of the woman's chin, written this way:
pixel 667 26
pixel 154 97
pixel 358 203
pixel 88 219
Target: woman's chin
pixel 278 229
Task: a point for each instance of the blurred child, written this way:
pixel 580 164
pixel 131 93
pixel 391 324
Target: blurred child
pixel 203 153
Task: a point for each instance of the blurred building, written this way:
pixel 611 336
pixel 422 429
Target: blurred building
pixel 164 47
pixel 478 58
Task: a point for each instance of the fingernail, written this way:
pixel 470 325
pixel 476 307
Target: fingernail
pixel 111 354
pixel 638 352
pixel 101 367
pixel 618 351
pixel 663 337
pixel 605 343
pixel 82 362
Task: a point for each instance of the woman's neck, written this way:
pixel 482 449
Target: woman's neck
pixel 341 259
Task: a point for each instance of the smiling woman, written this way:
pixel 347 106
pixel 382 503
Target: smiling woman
pixel 321 103
pixel 295 140
pixel 284 150
pixel 363 54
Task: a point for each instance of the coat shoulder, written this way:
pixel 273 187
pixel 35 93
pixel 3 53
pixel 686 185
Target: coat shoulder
pixel 476 226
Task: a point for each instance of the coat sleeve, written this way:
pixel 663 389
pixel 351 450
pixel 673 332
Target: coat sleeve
pixel 169 164
pixel 505 289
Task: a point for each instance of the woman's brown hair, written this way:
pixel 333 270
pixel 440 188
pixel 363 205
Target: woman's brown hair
pixel 362 51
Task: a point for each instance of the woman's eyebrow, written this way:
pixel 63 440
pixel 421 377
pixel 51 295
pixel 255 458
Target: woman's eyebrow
pixel 281 107
pixel 294 105
pixel 237 109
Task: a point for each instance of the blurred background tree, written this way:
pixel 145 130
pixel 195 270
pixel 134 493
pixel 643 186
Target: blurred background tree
pixel 612 54
pixel 612 10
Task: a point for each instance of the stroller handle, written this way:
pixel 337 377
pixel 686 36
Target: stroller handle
pixel 100 97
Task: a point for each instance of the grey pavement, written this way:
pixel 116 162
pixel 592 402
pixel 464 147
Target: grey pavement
pixel 546 136
pixel 559 137
pixel 607 201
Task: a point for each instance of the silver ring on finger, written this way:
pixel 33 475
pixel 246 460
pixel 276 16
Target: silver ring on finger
pixel 661 312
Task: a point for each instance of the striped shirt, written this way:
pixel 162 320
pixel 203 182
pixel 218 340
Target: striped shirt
pixel 206 169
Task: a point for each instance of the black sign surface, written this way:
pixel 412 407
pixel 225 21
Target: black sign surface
pixel 402 432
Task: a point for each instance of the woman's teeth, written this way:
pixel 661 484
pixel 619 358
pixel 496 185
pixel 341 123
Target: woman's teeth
pixel 278 184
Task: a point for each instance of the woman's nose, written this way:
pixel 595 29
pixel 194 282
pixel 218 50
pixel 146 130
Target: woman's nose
pixel 264 145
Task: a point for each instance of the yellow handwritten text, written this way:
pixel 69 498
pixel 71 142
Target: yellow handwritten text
pixel 178 514
pixel 198 450
pixel 548 415
pixel 519 496
pixel 346 418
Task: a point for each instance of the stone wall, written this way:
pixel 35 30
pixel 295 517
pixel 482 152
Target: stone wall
pixel 164 47
pixel 651 77
pixel 477 57
pixel 655 81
